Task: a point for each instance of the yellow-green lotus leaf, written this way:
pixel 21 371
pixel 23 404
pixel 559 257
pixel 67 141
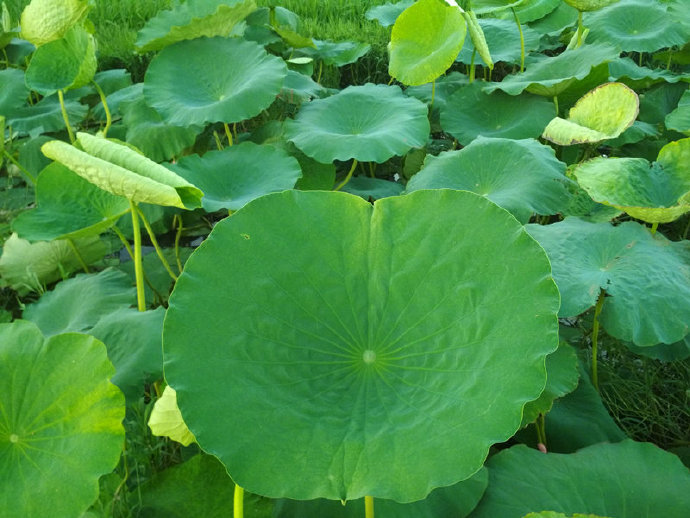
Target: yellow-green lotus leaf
pixel 589 5
pixel 43 21
pixel 166 419
pixel 601 114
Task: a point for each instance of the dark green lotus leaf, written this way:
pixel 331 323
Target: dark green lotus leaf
pixel 636 133
pixel 299 88
pixel 315 175
pixel 441 89
pixel 157 139
pixel 471 112
pixel 77 304
pixel 192 19
pixel 336 53
pixel 597 479
pixel 189 82
pixel 522 176
pixel 529 10
pixel 584 207
pixel 555 22
pixel 492 6
pixel 549 76
pixel 458 501
pixel 679 119
pixel 13 91
pixel 69 62
pixel 553 514
pixel 659 101
pixel 373 188
pixel 370 123
pixel 625 261
pixel 236 175
pixel 636 26
pixel 113 80
pixel 60 421
pixel 387 13
pixel 425 41
pixel 626 71
pixel 562 376
pixel 43 21
pixel 664 352
pixel 68 207
pixel 356 355
pixel 128 94
pixel 655 193
pixel 29 266
pixel 45 116
pixel 589 5
pixel 503 40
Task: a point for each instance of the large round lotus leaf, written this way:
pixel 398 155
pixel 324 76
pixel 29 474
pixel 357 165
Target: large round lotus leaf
pixel 425 41
pixel 471 112
pixel 68 207
pixel 60 421
pixel 679 119
pixel 192 19
pixel 503 40
pixel 236 175
pixel 589 5
pixel 43 21
pixel 636 26
pixel 190 82
pixel 387 13
pixel 522 176
pixel 655 193
pixel 45 116
pixel 595 480
pixel 354 342
pixel 370 123
pixel 550 76
pixel 646 277
pixel 601 114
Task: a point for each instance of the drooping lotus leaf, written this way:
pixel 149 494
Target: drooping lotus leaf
pixel 626 71
pixel 77 304
pixel 550 76
pixel 122 171
pixel 679 119
pixel 471 112
pixel 29 266
pixel 458 501
pixel 43 21
pixel 369 123
pixel 166 420
pixel 190 83
pixel 192 19
pixel 45 116
pixel 646 277
pixel 68 207
pixel 522 176
pixel 236 175
pixel 589 5
pixel 597 479
pixel 336 53
pixel 601 114
pixel 425 41
pixel 387 13
pixel 13 91
pixel 636 26
pixel 664 352
pixel 60 421
pixel 656 193
pixel 503 40
pixel 69 62
pixel 354 354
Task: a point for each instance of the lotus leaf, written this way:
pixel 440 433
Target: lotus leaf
pixel 327 306
pixel 60 421
pixel 471 112
pixel 664 352
pixel 492 6
pixel 638 132
pixel 636 26
pixel 298 88
pixel 522 479
pixel 192 19
pixel 369 123
pixel 522 176
pixel 646 277
pixel 387 13
pixel 557 20
pixel 124 172
pixel 45 116
pixel 166 420
pixel 188 83
pixel 13 91
pixel 373 188
pixel 503 40
pixel 679 119
pixel 627 71
pixel 336 53
pixel 425 41
pixel 236 175
pixel 601 114
pixel 589 5
pixel 130 93
pixel 553 514
pixel 68 207
pixel 44 21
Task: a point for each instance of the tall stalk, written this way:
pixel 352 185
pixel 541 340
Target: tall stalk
pixel 138 265
pixel 595 339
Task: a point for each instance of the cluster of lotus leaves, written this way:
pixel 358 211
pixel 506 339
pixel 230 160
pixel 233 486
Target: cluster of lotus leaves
pixel 307 310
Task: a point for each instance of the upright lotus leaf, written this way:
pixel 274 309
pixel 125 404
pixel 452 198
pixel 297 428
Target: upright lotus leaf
pixel 77 304
pixel 597 480
pixel 425 41
pixel 347 353
pixel 679 119
pixel 387 13
pixel 13 91
pixel 69 62
pixel 192 19
pixel 190 83
pixel 166 419
pixel 122 171
pixel 522 176
pixel 503 40
pixel 471 112
pixel 369 123
pixel 549 76
pixel 636 26
pixel 43 21
pixel 646 277
pixel 236 175
pixel 336 53
pixel 46 116
pixel 589 5
pixel 60 421
pixel 601 114
pixel 68 207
